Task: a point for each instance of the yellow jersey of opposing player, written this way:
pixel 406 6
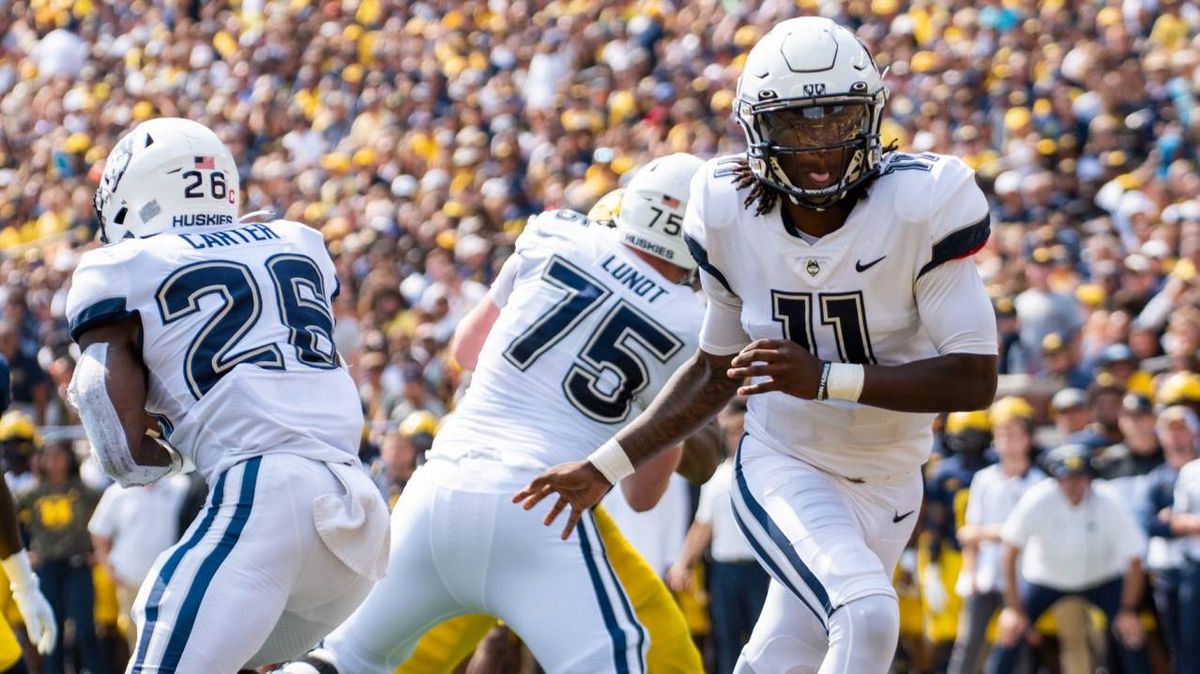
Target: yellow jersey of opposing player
pixel 855 295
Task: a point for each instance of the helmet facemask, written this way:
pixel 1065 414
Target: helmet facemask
pixel 816 152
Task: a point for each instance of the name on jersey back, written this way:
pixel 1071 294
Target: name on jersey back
pixel 641 284
pixel 230 237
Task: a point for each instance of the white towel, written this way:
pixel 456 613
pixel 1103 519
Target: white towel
pixel 354 525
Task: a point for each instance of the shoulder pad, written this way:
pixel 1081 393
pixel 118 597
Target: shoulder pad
pixel 715 197
pixel 937 195
pixel 553 228
pixel 99 291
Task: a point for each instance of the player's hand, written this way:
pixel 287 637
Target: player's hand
pixel 578 484
pixel 1013 624
pixel 679 578
pixel 38 617
pixel 791 368
pixel 1129 628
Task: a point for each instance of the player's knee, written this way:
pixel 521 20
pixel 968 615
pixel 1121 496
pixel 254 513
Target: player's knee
pixel 787 653
pixel 869 620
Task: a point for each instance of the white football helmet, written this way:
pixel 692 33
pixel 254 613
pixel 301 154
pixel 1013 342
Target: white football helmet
pixel 650 215
pixel 166 173
pixel 810 89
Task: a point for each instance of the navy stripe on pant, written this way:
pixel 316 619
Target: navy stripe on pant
pixel 154 601
pixel 204 577
pixel 778 540
pixel 620 663
pixel 625 605
pixel 185 618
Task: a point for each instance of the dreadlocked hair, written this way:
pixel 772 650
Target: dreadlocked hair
pixel 763 197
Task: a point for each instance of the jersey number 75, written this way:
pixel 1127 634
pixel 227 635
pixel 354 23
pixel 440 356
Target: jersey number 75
pixel 608 349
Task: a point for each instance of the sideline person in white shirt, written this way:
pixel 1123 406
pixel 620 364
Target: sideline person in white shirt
pixel 1075 539
pixel 994 494
pixel 130 527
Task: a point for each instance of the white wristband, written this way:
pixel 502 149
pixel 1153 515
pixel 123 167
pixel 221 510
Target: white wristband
pixel 612 461
pixel 845 381
pixel 19 572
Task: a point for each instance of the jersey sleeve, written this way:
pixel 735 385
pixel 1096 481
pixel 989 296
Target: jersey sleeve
pixel 544 235
pixel 99 293
pixel 706 503
pixel 955 310
pixel 103 522
pixel 958 220
pixel 721 332
pixel 502 286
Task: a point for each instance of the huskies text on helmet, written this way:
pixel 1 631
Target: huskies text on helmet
pixel 165 174
pixel 650 215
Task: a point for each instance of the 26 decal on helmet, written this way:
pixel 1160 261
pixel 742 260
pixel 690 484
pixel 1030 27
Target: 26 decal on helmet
pixel 167 173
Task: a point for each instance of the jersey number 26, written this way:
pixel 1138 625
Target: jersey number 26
pixel 303 309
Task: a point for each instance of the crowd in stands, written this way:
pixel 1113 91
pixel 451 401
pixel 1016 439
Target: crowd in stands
pixel 418 136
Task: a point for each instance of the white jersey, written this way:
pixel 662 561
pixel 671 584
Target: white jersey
pixel 236 337
pixel 587 335
pixel 886 288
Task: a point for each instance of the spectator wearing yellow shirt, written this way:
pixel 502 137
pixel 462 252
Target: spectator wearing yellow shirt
pixel 55 514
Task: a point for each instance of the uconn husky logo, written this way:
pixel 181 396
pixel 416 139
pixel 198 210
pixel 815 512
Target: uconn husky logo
pixel 815 89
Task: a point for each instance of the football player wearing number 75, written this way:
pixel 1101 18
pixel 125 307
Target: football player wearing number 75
pixel 217 333
pixel 840 283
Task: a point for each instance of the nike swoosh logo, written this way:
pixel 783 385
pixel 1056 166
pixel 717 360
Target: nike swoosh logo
pixel 898 517
pixel 860 267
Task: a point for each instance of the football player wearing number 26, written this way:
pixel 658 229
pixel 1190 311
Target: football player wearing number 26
pixel 840 283
pixel 219 331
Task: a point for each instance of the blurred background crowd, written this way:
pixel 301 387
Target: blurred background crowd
pixel 419 135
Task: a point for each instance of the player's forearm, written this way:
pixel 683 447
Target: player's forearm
pixel 698 537
pixel 1008 564
pixel 701 454
pixel 693 395
pixel 1132 585
pixel 649 482
pixel 948 383
pixel 10 533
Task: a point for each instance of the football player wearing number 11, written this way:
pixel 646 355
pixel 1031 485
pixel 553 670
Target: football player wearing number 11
pixel 219 333
pixel 840 281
